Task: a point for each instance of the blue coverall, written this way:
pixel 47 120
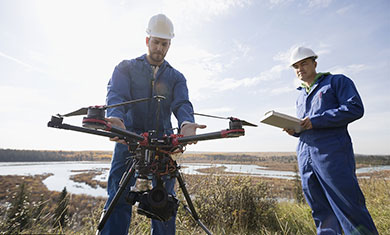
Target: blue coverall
pixel 134 79
pixel 326 159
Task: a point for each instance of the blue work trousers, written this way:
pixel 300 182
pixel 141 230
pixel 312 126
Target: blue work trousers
pixel 332 191
pixel 119 220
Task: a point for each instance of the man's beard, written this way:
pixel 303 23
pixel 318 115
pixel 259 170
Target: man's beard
pixel 157 57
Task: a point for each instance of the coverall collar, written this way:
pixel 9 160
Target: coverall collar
pixel 316 78
pixel 143 58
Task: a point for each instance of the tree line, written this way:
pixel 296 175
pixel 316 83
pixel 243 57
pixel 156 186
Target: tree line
pixel 13 155
pixel 374 160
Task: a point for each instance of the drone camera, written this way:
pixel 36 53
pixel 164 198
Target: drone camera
pixel 158 197
pixel 155 203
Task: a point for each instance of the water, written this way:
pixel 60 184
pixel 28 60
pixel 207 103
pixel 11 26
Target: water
pixel 252 170
pixel 371 169
pixel 63 170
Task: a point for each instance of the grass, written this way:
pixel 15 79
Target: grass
pixel 226 205
pixel 377 193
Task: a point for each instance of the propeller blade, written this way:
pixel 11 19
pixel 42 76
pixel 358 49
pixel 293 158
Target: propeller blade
pixel 245 123
pixel 206 115
pixel 126 102
pixel 133 101
pixel 82 111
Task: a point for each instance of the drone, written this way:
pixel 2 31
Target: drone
pixel 151 158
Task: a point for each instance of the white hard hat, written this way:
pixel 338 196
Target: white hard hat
pixel 301 53
pixel 160 26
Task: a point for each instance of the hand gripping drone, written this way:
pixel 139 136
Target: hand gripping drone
pixel 151 158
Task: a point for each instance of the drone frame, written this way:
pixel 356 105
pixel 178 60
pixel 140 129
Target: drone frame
pixel 96 124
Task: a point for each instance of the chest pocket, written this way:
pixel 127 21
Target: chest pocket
pixel 140 84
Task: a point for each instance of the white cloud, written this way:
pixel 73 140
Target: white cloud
pixel 310 3
pixel 203 68
pixel 284 56
pixel 349 69
pixel 345 10
pixel 186 14
pixel 20 62
pixel 282 90
pixel 319 3
pixel 273 73
pixel 276 3
pixel 231 83
pixel 323 51
pixel 203 8
pixel 199 66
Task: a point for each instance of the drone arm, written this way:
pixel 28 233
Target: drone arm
pixel 229 133
pixel 126 133
pixel 56 122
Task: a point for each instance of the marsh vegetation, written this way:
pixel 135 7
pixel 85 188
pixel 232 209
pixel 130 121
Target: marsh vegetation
pixel 226 204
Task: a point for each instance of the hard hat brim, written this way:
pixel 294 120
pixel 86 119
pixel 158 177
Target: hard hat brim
pixel 314 57
pixel 158 35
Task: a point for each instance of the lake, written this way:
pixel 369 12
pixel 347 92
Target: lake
pixel 63 170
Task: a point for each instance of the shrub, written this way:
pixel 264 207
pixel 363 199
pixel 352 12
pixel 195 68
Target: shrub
pixel 235 205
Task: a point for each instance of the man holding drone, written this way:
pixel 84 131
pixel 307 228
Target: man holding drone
pixel 149 75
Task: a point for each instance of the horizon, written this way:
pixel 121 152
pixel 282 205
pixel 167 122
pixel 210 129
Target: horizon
pixel 189 152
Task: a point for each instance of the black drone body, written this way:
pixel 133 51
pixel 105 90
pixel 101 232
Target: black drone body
pixel 151 158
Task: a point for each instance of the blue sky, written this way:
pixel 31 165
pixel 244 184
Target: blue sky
pixel 57 56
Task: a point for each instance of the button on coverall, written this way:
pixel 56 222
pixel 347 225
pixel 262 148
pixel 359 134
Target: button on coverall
pixel 326 159
pixel 134 79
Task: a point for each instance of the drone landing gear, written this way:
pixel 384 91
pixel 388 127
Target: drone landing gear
pixel 190 209
pixel 155 203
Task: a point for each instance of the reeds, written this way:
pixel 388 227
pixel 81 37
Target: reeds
pixel 225 204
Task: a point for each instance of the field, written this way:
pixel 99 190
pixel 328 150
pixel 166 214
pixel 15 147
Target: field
pixel 226 204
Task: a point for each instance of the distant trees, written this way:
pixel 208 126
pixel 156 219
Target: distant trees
pixel 373 160
pixel 13 155
pixel 238 157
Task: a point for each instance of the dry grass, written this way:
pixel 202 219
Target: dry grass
pixel 224 204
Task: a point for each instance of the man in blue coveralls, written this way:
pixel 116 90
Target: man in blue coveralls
pixel 326 104
pixel 146 76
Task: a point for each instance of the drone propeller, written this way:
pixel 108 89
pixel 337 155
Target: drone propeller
pixel 84 111
pixel 244 123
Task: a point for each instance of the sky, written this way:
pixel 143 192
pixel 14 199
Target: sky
pixel 57 56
